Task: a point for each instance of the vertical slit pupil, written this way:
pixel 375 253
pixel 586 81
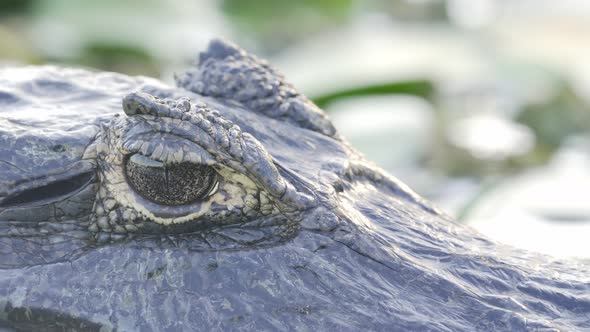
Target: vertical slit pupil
pixel 174 184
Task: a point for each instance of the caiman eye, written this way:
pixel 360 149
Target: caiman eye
pixel 174 184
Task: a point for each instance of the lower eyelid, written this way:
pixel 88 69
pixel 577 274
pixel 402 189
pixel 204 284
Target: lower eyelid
pixel 213 189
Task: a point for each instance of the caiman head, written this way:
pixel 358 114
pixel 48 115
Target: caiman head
pixel 232 158
pixel 230 201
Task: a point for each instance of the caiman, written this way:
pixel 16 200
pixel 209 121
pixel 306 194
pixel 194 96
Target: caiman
pixel 230 202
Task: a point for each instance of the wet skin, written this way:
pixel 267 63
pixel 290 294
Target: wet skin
pixel 230 202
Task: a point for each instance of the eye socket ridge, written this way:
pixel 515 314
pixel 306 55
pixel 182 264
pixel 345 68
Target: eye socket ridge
pixel 171 184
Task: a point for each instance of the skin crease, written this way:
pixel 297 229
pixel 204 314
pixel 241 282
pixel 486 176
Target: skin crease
pixel 302 233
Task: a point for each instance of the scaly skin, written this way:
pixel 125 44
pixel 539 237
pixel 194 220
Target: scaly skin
pixel 297 232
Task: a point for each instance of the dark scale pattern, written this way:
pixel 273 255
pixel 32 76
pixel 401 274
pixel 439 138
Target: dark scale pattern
pixel 176 184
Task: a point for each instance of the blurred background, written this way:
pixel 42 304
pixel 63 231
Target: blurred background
pixel 482 106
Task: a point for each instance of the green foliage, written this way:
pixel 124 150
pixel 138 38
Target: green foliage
pixel 421 88
pixel 15 6
pixel 259 9
pixel 558 117
pixel 118 58
pixel 279 22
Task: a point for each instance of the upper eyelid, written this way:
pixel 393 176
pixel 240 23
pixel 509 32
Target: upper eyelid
pixel 148 125
pixel 190 119
pixel 165 142
pixel 170 151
